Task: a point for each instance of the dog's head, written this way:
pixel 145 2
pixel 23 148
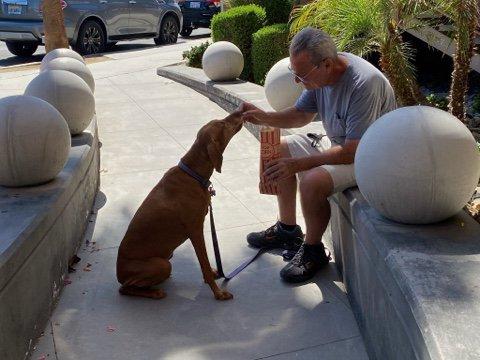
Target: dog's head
pixel 215 136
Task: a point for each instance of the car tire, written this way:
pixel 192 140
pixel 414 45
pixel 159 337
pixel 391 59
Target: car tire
pixel 168 31
pixel 186 31
pixel 91 38
pixel 22 48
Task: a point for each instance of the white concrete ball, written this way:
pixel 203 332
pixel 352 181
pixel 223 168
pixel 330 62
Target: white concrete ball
pixel 74 66
pixel 61 52
pixel 281 90
pixel 68 93
pixel 417 165
pixel 222 61
pixel 34 141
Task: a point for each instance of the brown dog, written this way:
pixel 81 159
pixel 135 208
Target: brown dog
pixel 173 212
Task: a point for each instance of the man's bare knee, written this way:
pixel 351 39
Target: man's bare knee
pixel 316 183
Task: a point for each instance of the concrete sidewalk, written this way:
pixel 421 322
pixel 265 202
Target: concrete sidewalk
pixel 146 123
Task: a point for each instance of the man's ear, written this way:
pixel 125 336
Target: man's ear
pixel 215 155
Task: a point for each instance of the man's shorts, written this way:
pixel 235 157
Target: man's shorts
pixel 300 145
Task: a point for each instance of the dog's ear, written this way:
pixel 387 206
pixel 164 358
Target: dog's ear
pixel 215 154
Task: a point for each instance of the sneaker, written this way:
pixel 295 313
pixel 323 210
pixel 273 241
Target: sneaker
pixel 276 237
pixel 305 264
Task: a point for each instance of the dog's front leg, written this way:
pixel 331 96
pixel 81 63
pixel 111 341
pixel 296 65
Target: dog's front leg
pixel 198 242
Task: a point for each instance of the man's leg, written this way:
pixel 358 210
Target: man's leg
pixel 288 193
pixel 315 188
pixel 285 234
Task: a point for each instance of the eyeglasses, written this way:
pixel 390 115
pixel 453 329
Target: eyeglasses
pixel 303 78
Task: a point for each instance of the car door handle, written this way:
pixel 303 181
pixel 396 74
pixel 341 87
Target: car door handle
pixel 132 2
pixel 103 1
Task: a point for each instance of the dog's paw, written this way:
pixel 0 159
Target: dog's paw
pixel 223 295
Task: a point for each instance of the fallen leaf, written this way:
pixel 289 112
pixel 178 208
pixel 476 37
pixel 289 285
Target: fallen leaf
pixel 42 357
pixel 111 328
pixel 67 281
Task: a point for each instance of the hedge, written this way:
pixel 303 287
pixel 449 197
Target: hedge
pixel 237 25
pixel 278 11
pixel 270 45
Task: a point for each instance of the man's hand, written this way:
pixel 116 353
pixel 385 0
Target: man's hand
pixel 252 114
pixel 280 169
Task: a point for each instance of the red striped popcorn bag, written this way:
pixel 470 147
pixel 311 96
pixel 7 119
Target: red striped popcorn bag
pixel 269 150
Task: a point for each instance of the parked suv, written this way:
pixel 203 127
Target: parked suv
pixel 197 13
pixel 91 25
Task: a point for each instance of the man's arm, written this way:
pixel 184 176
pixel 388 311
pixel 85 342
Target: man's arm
pixel 288 118
pixel 285 167
pixel 336 155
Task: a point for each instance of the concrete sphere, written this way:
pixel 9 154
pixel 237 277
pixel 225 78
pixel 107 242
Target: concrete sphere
pixel 222 61
pixel 62 52
pixel 34 141
pixel 68 93
pixel 281 90
pixel 417 165
pixel 74 66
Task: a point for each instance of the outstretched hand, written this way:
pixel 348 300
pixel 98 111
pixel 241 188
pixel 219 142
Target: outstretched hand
pixel 251 113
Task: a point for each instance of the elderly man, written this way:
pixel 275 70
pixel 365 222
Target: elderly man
pixel 348 94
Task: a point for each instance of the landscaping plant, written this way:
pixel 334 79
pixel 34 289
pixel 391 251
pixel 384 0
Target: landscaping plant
pixel 270 44
pixel 464 14
pixel 364 26
pixel 278 11
pixel 237 25
pixel 195 54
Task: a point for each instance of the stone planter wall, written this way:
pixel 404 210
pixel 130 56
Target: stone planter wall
pixel 40 229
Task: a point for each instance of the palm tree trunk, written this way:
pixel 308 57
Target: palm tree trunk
pixel 466 14
pixel 53 24
pixel 395 65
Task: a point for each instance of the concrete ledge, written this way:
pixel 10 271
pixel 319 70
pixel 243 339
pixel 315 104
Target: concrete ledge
pixel 40 229
pixel 415 290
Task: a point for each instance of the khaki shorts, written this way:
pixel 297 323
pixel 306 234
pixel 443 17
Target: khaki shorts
pixel 300 145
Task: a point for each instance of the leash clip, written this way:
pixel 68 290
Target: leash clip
pixel 211 191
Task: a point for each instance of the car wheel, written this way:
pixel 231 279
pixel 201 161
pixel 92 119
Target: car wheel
pixel 168 31
pixel 91 38
pixel 22 48
pixel 186 31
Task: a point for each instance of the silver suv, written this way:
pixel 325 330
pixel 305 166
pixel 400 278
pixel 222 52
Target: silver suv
pixel 91 25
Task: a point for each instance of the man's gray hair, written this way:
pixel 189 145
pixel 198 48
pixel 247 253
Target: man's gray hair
pixel 317 43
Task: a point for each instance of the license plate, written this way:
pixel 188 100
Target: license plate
pixel 14 9
pixel 194 5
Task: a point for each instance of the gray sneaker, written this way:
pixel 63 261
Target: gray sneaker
pixel 277 238
pixel 305 264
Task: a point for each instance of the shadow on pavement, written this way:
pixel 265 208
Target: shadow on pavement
pixel 17 60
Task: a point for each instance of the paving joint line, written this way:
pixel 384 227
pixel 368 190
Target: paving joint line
pixel 307 347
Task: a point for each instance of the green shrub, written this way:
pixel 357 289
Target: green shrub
pixel 237 26
pixel 269 45
pixel 476 104
pixel 278 11
pixel 437 101
pixel 195 54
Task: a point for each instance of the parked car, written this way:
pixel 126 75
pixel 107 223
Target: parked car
pixel 91 25
pixel 197 14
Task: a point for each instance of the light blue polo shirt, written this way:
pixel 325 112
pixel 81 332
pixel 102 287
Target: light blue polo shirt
pixel 350 106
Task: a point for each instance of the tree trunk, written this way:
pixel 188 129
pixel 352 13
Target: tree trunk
pixel 465 25
pixel 395 65
pixel 54 27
